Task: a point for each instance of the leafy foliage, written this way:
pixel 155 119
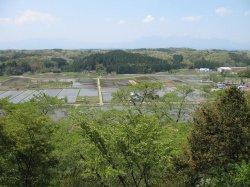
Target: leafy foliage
pixel 245 73
pixel 220 134
pixel 139 144
pixel 125 149
pixel 120 61
pixel 26 146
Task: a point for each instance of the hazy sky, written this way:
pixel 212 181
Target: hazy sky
pixel 122 21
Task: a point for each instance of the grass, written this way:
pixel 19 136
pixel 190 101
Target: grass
pixel 4 78
pixel 50 84
pixel 88 100
pixel 60 75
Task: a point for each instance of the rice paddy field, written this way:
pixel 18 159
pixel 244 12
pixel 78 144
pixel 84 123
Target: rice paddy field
pixel 81 88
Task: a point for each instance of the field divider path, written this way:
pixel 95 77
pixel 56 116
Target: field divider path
pixel 99 91
pixel 77 96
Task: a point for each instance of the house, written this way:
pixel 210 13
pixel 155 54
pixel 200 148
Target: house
pixel 241 87
pixel 224 69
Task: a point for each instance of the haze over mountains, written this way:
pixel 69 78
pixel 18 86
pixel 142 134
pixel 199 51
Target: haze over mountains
pixel 143 42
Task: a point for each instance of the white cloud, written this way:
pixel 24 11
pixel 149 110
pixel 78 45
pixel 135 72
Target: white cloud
pixel 247 13
pixel 121 22
pixel 148 19
pixel 222 11
pixel 191 18
pixel 29 16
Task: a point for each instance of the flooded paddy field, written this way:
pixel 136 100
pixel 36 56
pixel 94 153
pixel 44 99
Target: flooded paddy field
pixel 9 94
pixel 110 86
pixel 69 94
pixel 79 87
pixel 51 92
pixel 88 87
pixel 19 96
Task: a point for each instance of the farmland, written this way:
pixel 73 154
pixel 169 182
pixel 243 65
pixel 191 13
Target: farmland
pixel 79 88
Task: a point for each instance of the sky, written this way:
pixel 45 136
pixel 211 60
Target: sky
pixel 28 24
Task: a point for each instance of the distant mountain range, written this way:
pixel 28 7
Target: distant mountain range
pixel 145 42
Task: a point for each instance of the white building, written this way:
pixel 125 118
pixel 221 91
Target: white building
pixel 223 69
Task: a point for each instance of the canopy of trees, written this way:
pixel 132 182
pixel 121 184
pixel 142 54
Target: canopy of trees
pixel 220 135
pixel 16 62
pixel 141 144
pixel 122 62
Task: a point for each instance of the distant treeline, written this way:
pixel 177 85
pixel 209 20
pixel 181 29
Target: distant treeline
pixel 15 62
pixel 123 62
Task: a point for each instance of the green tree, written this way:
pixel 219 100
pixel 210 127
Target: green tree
pixel 26 146
pixel 116 148
pixel 237 174
pixel 184 91
pixel 138 95
pixel 100 69
pixel 245 73
pixel 177 59
pixel 220 134
pixel 46 104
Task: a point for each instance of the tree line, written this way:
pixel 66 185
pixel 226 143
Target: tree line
pixel 119 61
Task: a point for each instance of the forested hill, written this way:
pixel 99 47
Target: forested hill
pixel 15 62
pixel 123 62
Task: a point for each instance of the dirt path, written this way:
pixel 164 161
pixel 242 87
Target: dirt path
pixel 99 92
